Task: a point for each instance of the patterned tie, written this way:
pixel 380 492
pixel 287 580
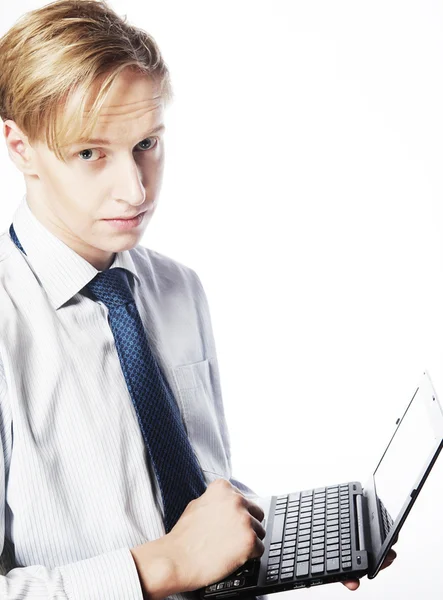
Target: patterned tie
pixel 178 473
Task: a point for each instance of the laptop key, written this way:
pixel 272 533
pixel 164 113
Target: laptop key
pixel 291 531
pixel 288 570
pixel 346 565
pixel 272 572
pixel 288 560
pixel 304 538
pixel 317 546
pixel 277 528
pixel 333 564
pixel 273 546
pixel 287 575
pixel 302 569
pixel 293 496
pixel 318 568
pixel 332 539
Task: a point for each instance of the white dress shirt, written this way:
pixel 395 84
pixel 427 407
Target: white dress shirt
pixel 76 486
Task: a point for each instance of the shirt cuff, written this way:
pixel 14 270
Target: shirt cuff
pixel 113 576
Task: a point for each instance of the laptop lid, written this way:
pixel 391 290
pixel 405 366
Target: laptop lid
pixel 402 470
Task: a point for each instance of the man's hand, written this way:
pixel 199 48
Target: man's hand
pixel 216 534
pixel 353 584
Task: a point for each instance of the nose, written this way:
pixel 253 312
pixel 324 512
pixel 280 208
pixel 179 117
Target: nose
pixel 129 184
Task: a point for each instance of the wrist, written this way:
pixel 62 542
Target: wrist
pixel 156 569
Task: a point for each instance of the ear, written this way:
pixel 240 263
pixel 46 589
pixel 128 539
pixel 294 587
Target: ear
pixel 19 149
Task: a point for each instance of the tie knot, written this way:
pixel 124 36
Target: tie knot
pixel 111 287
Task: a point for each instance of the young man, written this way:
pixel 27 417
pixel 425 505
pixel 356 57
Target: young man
pixel 115 470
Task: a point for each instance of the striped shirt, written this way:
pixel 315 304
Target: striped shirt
pixel 77 490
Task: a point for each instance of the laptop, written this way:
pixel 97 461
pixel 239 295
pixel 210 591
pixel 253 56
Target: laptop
pixel 343 531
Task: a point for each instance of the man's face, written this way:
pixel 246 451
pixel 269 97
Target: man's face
pixel 103 181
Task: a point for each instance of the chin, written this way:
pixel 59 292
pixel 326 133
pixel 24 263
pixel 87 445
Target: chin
pixel 131 242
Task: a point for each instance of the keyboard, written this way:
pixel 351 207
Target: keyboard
pixel 311 534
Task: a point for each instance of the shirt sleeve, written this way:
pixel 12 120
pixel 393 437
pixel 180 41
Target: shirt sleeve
pixel 218 399
pixel 112 575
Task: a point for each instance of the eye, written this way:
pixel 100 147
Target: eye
pixel 83 152
pixel 152 145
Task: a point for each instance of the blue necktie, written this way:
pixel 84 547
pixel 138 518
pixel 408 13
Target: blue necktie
pixel 178 473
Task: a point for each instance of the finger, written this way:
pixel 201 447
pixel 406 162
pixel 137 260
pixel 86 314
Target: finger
pixel 351 584
pixel 255 510
pixel 258 528
pixel 259 548
pixel 390 557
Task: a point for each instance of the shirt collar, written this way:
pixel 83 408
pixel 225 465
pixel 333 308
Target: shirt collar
pixel 61 271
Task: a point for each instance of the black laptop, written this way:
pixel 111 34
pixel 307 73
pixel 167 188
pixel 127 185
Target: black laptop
pixel 343 531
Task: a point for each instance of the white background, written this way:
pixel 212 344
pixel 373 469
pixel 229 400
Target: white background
pixel 303 184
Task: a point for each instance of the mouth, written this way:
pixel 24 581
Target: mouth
pixel 125 218
pixel 126 223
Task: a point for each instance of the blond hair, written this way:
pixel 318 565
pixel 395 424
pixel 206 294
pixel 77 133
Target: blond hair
pixel 63 51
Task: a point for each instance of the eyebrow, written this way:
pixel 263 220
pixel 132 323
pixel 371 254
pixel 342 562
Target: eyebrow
pixel 106 142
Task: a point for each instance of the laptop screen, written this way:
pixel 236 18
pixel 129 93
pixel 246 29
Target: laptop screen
pixel 403 468
pixel 411 447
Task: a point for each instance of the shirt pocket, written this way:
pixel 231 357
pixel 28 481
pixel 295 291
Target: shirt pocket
pixel 201 419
